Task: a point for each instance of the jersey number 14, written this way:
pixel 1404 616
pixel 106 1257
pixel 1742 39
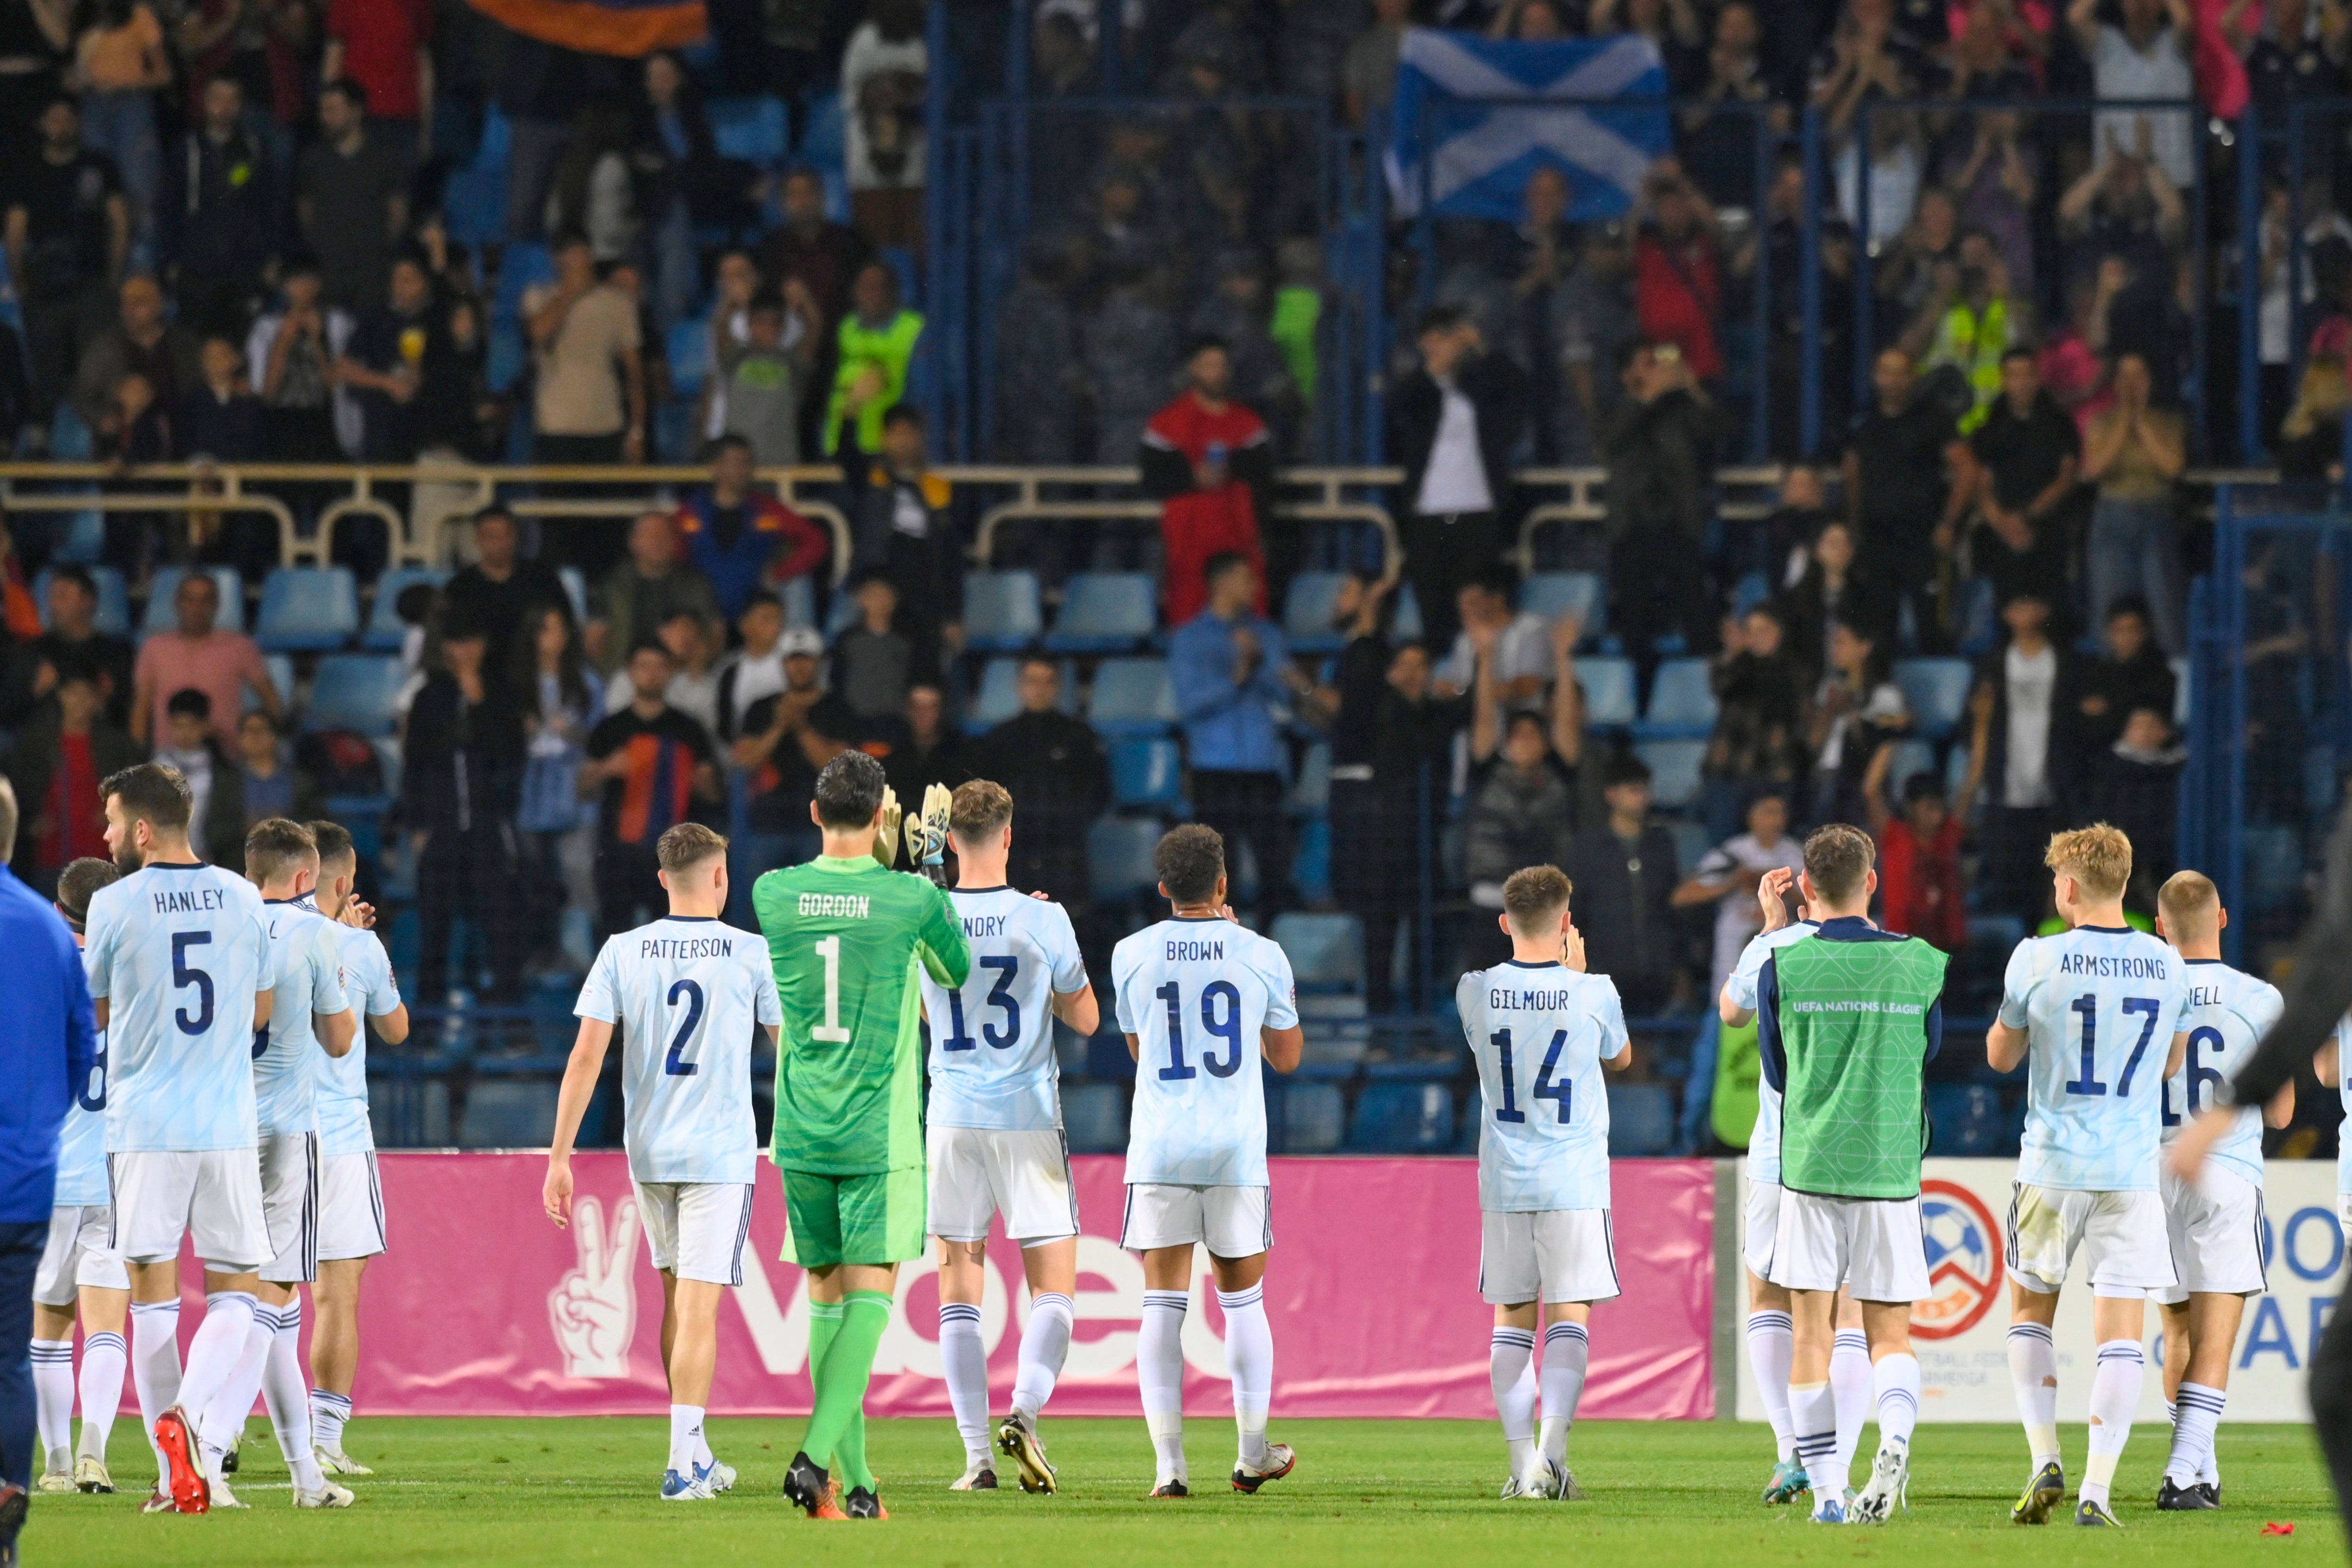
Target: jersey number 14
pixel 1546 1087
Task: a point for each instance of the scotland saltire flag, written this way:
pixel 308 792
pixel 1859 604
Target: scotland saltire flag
pixel 1467 158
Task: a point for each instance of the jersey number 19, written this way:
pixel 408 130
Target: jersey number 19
pixel 1229 1031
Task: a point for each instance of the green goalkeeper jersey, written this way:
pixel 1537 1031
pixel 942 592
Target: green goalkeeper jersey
pixel 846 937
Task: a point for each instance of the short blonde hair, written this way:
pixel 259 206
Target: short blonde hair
pixel 688 844
pixel 1838 857
pixel 275 847
pixel 982 807
pixel 2191 904
pixel 1535 895
pixel 2099 857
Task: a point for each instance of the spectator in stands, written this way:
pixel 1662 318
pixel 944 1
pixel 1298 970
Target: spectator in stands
pixel 642 592
pixel 1994 183
pixel 1781 547
pixel 219 418
pixel 2024 747
pixel 2019 476
pixel 1727 877
pixel 119 61
pixel 902 526
pixel 350 198
pixel 883 75
pixel 591 396
pixel 199 654
pixel 1759 741
pixel 68 239
pixel 1036 361
pixel 592 189
pixel 56 761
pixel 874 348
pixel 824 256
pixel 1573 308
pixel 290 357
pixel 1920 891
pixel 692 644
pixel 2129 674
pixel 2292 50
pixel 34 45
pixel 1677 280
pixel 1661 450
pixel 1392 739
pixel 1895 489
pixel 1452 423
pixel 500 589
pixel 2145 58
pixel 1973 325
pixel 223 213
pixel 1128 354
pixel 756 668
pixel 1779 249
pixel 1625 870
pixel 269 783
pixel 1521 654
pixel 1857 712
pixel 2134 782
pixel 561 704
pixel 458 418
pixel 141 343
pixel 1054 766
pixel 1719 146
pixel 1369 70
pixel 265 44
pixel 651 764
pixel 72 635
pixel 385 46
pixel 1230 670
pixel 786 738
pixel 1208 462
pixel 137 428
pixel 877 656
pixel 188 741
pixel 1528 787
pixel 2125 205
pixel 925 749
pixel 461 773
pixel 1835 590
pixel 762 393
pixel 2310 446
pixel 382 365
pixel 2135 454
pixel 743 541
pixel 683 180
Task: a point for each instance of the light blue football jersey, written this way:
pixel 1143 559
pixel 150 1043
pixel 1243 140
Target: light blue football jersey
pixel 178 953
pixel 1764 1144
pixel 686 993
pixel 2229 1014
pixel 992 1037
pixel 1195 993
pixel 2344 1092
pixel 1540 1032
pixel 2100 1005
pixel 342 1090
pixel 287 1055
pixel 81 1143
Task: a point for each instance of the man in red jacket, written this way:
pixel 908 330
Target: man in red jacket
pixel 1209 463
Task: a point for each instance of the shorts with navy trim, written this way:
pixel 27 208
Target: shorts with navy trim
pixel 290 1206
pixel 1874 1247
pixel 1555 1255
pixel 78 1255
pixel 1232 1222
pixel 979 1172
pixel 696 1230
pixel 2125 1246
pixel 350 1208
pixel 2218 1234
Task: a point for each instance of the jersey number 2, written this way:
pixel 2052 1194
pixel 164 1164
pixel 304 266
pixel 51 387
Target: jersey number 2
pixel 676 1064
pixel 830 1031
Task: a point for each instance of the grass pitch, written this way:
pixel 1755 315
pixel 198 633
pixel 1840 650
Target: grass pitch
pixel 1421 1492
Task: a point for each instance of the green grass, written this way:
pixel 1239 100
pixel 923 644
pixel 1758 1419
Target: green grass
pixel 1419 1492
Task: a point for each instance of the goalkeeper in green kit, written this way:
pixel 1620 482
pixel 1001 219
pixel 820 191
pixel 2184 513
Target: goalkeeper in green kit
pixel 845 933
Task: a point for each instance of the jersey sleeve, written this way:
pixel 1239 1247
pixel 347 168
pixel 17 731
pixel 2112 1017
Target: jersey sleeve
pixel 947 953
pixel 1069 962
pixel 381 987
pixel 600 993
pixel 1272 966
pixel 265 962
pixel 1466 1003
pixel 1609 1013
pixel 2178 1000
pixel 2264 1007
pixel 1741 986
pixel 767 1005
pixel 327 995
pixel 2017 987
pixel 1122 970
pixel 100 939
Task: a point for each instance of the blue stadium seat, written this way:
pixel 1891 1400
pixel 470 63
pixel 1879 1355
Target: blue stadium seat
pixel 751 128
pixel 509 356
pixel 1403 1119
pixel 799 595
pixel 524 263
pixel 509 1114
pixel 114 600
pixel 1310 863
pixel 1310 793
pixel 308 608
pixel 2273 866
pixel 1312 1118
pixel 163 588
pixel 1682 702
pixel 1673 770
pixel 1938 693
pixel 1118 857
pixel 825 133
pixel 1474 1111
pixel 1094 1118
pixel 1405 622
pixel 355 691
pixel 1756 589
pixel 1308 610
pixel 688 360
pixel 1608 693
pixel 1132 697
pixel 1146 774
pixel 1641 1119
pixel 1553 594
pixel 385 629
pixel 281 680
pixel 1966 1119
pixel 1105 612
pixel 1980 619
pixel 999 697
pixel 1325 951
pixel 1001 609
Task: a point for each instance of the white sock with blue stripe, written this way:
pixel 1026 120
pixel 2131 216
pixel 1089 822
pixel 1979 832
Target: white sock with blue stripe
pixel 155 1369
pixel 2198 1413
pixel 1044 1345
pixel 234 1332
pixel 328 1411
pixel 2115 1394
pixel 965 1364
pixel 1771 1345
pixel 103 1358
pixel 1897 1379
pixel 2033 1372
pixel 1510 1368
pixel 1813 1411
pixel 289 1405
pixel 1566 1353
pixel 1849 1386
pixel 1159 1378
pixel 1249 1352
pixel 53 1398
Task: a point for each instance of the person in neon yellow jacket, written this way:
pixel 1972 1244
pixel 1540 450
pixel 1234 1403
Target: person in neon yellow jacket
pixel 1977 327
pixel 877 345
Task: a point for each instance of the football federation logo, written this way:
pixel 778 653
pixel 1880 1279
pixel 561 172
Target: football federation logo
pixel 1964 1266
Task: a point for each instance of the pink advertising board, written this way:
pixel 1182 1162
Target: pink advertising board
pixel 483 1307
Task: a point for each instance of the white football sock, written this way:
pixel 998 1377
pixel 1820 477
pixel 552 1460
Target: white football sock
pixel 1044 1345
pixel 103 1359
pixel 2197 1411
pixel 53 1400
pixel 328 1411
pixel 1159 1378
pixel 2115 1394
pixel 1771 1343
pixel 1249 1352
pixel 703 1457
pixel 289 1405
pixel 1896 1380
pixel 219 1345
pixel 1566 1352
pixel 1509 1357
pixel 1813 1411
pixel 222 1422
pixel 965 1364
pixel 685 1437
pixel 2033 1374
pixel 155 1369
pixel 1850 1385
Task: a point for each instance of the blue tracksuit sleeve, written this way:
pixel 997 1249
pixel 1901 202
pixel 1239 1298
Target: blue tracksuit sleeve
pixel 1935 1029
pixel 1768 1027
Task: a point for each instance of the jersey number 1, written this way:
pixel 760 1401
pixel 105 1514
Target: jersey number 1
pixel 830 1031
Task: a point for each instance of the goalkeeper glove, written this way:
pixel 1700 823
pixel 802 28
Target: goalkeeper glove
pixel 927 841
pixel 885 838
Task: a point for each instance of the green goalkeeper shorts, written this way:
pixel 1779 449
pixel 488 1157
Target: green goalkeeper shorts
pixel 870 1220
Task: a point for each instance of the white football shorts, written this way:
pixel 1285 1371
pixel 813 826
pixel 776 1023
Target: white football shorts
pixel 1554 1255
pixel 2126 1248
pixel 1762 1223
pixel 2216 1231
pixel 1232 1221
pixel 1874 1247
pixel 290 1206
pixel 351 1206
pixel 696 1230
pixel 2344 1218
pixel 977 1173
pixel 78 1254
pixel 211 1194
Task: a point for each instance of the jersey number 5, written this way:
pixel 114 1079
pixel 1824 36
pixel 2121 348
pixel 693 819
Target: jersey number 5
pixel 1545 1088
pixel 2087 1005
pixel 184 974
pixel 676 1064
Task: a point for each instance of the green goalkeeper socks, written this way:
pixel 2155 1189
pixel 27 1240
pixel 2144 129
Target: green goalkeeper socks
pixel 841 1360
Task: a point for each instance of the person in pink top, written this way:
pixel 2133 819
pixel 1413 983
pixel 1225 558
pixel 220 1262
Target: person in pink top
pixel 217 663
